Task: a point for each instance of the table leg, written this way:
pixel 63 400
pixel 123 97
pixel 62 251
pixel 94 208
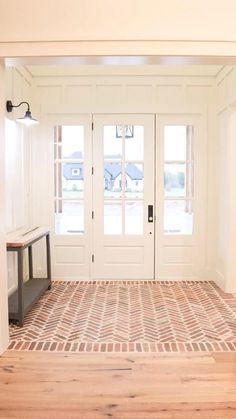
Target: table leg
pixel 49 274
pixel 30 256
pixel 20 287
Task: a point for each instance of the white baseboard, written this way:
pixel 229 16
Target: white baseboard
pixel 219 280
pixel 12 289
pixel 217 277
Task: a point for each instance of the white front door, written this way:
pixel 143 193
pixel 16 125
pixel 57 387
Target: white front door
pixel 123 197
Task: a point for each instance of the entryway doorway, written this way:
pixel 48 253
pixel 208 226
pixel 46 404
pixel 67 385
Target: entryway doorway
pixel 104 196
pixel 129 196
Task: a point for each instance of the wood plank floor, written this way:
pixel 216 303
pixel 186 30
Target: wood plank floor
pixel 39 385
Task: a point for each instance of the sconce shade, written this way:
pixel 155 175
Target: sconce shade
pixel 27 119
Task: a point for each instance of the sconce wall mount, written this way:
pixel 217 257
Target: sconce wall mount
pixel 27 119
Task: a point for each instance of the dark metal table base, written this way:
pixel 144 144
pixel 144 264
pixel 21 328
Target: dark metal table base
pixel 27 293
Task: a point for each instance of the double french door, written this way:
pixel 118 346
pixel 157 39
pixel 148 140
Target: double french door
pixel 104 197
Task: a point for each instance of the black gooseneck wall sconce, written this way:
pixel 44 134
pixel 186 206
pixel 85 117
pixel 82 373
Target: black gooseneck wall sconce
pixel 27 119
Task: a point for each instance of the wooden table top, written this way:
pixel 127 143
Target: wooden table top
pixel 24 236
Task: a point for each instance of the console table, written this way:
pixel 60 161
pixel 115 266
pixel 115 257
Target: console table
pixel 27 293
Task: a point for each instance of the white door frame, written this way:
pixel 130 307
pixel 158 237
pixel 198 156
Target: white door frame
pixel 116 256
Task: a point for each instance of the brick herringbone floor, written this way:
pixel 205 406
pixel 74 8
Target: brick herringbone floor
pixel 110 316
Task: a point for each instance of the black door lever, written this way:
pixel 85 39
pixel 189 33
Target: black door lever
pixel 150 213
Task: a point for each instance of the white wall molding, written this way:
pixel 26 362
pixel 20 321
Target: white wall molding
pixel 219 279
pixel 18 88
pixel 120 52
pixel 223 73
pixel 223 151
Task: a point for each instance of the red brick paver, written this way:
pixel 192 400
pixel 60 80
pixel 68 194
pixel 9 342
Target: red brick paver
pixel 129 316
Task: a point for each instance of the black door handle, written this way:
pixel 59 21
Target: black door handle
pixel 150 214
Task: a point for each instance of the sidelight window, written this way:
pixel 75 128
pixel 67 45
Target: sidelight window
pixel 69 179
pixel 178 179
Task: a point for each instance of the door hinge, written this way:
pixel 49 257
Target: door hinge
pixel 92 170
pixel 92 215
pixel 92 126
pixel 92 258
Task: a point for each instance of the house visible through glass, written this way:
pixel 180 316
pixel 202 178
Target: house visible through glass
pixel 123 179
pixel 69 179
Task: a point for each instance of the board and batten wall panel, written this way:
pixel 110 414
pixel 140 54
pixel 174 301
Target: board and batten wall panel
pixel 170 95
pixel 79 94
pixel 4 337
pixel 94 94
pixel 17 162
pixel 223 241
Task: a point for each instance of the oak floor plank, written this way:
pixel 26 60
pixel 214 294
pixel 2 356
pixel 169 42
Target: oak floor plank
pixel 122 386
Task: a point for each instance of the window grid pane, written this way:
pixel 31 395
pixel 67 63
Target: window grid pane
pixel 178 179
pixel 175 180
pixel 178 217
pixel 113 218
pixel 133 218
pixel 123 177
pixel 69 179
pixel 70 219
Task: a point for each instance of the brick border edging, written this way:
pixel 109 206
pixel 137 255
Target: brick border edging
pixel 116 347
pixel 130 282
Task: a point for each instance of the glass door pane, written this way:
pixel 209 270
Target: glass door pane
pixel 123 179
pixel 123 190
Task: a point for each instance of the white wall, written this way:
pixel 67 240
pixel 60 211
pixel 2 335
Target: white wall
pixel 3 271
pixel 17 162
pixel 105 27
pixel 107 20
pixel 223 186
